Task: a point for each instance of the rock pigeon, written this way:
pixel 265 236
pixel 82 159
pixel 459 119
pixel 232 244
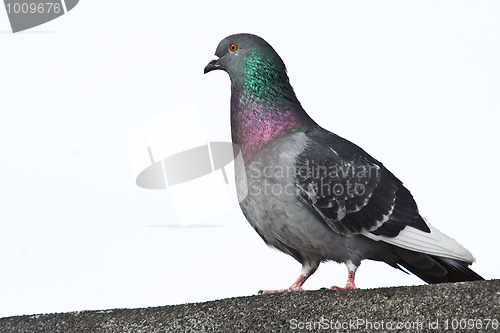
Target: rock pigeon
pixel 314 195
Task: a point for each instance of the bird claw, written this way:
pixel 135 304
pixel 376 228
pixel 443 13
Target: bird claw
pixel 266 292
pixel 347 287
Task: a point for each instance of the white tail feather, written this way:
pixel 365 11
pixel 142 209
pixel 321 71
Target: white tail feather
pixel 433 243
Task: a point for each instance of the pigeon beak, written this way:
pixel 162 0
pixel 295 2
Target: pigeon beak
pixel 213 64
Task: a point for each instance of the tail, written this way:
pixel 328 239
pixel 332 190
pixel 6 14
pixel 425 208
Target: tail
pixel 434 269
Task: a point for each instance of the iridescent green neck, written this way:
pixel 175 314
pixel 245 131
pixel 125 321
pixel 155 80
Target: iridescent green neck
pixel 263 79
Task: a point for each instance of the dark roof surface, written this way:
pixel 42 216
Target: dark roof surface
pixel 469 306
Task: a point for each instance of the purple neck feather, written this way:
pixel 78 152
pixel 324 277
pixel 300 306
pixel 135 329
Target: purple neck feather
pixel 255 123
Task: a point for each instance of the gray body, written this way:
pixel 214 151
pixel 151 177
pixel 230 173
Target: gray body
pixel 283 220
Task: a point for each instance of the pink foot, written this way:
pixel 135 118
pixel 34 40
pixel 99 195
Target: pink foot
pixel 296 286
pixel 265 292
pixel 349 285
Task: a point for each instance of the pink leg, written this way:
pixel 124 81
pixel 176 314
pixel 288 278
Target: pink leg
pixel 307 270
pixel 351 268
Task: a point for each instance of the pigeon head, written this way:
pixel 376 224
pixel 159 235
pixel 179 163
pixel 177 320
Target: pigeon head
pixel 255 69
pixel 233 53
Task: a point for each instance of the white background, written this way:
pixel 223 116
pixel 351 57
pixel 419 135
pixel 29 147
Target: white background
pixel 414 83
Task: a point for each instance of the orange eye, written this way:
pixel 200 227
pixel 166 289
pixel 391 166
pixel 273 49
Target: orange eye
pixel 233 47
